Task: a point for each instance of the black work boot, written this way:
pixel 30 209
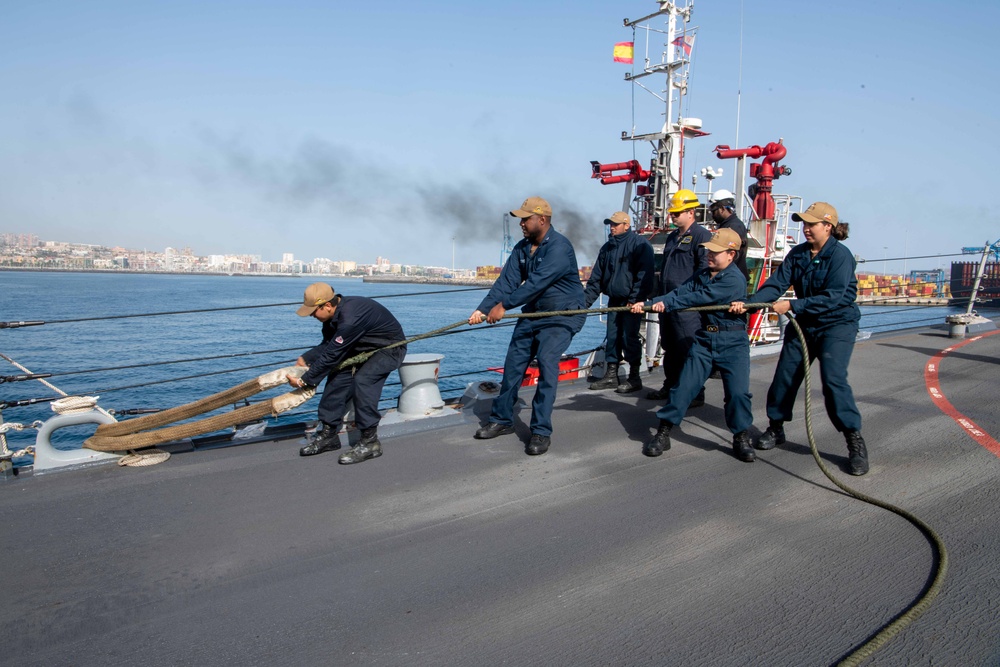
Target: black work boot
pixel 539 444
pixel 742 447
pixel 323 440
pixel 660 442
pixel 661 394
pixel 858 453
pixel 492 430
pixel 632 384
pixel 368 447
pixel 610 378
pixel 774 435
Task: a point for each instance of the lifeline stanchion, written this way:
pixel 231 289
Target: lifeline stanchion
pixel 36 323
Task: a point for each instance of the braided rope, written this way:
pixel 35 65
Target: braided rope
pixel 74 404
pixel 5 451
pixel 147 457
pixel 126 434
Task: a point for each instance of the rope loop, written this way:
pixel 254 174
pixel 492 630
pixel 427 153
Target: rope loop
pixel 73 404
pixel 143 458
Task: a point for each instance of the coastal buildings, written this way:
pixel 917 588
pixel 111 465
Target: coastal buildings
pixel 28 252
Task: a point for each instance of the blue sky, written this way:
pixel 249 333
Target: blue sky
pixel 356 130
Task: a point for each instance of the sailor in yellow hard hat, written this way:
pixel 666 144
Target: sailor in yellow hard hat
pixel 683 256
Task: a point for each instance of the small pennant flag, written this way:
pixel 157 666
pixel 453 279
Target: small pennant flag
pixel 624 52
pixel 686 42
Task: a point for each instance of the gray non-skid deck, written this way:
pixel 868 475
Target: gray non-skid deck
pixel 451 551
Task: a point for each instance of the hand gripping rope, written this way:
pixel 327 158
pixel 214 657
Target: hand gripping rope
pixel 129 435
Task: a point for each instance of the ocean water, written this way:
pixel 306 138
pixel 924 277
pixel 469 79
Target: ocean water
pixel 73 351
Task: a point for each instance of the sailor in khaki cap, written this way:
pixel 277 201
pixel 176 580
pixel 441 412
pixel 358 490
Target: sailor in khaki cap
pixel 540 275
pixel 624 271
pixel 351 325
pixel 821 271
pixel 720 343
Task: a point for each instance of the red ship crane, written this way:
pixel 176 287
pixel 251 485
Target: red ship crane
pixel 765 172
pixel 634 173
pixel 606 172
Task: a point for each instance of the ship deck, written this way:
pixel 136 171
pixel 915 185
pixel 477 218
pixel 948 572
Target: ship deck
pixel 452 551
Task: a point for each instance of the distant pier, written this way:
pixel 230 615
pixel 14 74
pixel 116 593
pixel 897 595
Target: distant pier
pixel 425 280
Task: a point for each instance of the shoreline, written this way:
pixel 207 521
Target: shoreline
pixel 147 272
pixel 905 301
pixel 423 280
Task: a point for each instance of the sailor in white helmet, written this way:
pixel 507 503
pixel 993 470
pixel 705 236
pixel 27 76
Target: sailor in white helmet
pixel 723 208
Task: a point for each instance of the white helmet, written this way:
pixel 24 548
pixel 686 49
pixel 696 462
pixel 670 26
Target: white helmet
pixel 720 195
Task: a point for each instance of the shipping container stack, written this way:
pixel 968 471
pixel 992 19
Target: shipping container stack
pixel 963 278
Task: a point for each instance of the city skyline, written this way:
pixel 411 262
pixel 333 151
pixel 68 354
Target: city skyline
pixel 170 258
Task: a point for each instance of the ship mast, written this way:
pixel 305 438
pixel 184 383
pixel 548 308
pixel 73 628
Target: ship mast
pixel 663 178
pixel 667 164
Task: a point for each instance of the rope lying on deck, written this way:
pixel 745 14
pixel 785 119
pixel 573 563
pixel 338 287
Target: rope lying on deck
pixel 127 434
pixel 920 605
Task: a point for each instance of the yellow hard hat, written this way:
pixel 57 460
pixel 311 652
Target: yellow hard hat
pixel 682 201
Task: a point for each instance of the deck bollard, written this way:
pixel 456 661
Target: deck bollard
pixel 48 457
pixel 419 375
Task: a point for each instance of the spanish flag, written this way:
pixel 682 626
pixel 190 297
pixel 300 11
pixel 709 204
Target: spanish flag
pixel 624 52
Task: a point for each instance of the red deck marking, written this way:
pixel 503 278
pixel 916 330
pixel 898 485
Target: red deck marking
pixel 934 389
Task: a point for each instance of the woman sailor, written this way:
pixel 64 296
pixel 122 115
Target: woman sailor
pixel 821 271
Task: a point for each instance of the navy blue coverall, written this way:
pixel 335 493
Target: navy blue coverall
pixel 825 308
pixel 547 279
pixel 683 257
pixel 735 224
pixel 721 342
pixel 359 325
pixel 623 271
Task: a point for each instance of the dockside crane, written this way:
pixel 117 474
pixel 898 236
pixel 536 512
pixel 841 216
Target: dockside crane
pixel 992 249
